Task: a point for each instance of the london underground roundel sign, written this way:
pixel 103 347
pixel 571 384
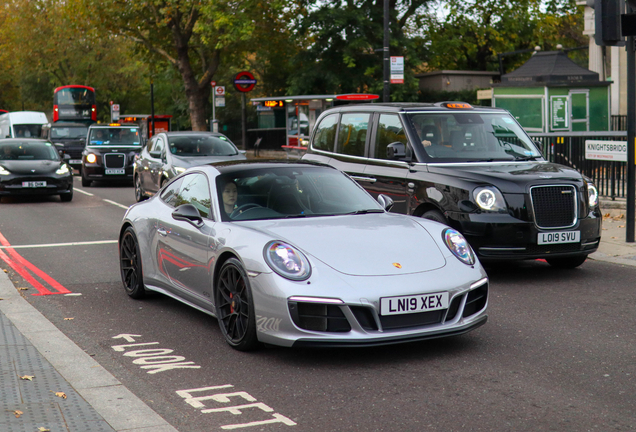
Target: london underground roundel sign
pixel 244 81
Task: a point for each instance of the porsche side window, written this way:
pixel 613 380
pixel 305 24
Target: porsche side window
pixel 325 136
pixel 170 194
pixel 390 130
pixel 352 135
pixel 195 190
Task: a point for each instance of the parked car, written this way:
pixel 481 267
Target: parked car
pixel 298 254
pixel 70 138
pixel 33 167
pixel 171 153
pixel 472 168
pixel 110 153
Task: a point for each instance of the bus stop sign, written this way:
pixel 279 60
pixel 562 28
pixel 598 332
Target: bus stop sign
pixel 244 81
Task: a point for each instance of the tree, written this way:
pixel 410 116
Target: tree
pixel 342 41
pixel 468 34
pixel 190 35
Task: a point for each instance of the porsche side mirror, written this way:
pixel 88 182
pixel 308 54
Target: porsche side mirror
pixel 155 154
pixel 188 213
pixel 385 201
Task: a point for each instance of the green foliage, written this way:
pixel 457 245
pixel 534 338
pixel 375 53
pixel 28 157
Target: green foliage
pixel 341 42
pixel 475 31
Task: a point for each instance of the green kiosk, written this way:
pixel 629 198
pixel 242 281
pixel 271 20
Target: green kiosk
pixel 551 93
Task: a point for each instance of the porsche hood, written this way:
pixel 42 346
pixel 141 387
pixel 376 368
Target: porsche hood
pixel 377 244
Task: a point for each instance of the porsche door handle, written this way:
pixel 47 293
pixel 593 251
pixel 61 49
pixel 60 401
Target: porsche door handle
pixel 162 232
pixel 364 179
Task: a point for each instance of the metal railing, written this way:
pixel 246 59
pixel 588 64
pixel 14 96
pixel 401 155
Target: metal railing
pixel 618 123
pixel 568 148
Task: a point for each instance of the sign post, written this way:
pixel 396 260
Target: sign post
pixel 114 113
pixel 244 82
pixel 397 70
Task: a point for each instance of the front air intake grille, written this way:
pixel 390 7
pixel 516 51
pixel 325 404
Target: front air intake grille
pixel 411 320
pixel 476 300
pixel 114 160
pixel 554 206
pixel 318 317
pixel 365 317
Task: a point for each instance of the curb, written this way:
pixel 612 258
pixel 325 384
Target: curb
pixel 117 405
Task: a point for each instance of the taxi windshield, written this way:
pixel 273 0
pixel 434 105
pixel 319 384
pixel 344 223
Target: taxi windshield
pixel 114 136
pixel 472 137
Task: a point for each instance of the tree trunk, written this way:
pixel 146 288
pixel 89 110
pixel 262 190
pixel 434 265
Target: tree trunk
pixel 196 99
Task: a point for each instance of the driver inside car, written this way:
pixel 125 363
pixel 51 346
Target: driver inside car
pixel 230 196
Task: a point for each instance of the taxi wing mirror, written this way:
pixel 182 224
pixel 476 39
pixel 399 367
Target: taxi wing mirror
pixel 398 151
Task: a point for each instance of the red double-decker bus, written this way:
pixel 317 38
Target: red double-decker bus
pixel 74 103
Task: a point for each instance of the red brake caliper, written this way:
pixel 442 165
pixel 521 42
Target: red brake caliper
pixel 231 304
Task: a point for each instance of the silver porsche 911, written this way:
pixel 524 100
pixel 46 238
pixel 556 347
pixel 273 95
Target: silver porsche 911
pixel 297 254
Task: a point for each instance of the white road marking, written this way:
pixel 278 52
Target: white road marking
pixel 72 294
pixel 117 204
pixel 83 191
pixel 98 242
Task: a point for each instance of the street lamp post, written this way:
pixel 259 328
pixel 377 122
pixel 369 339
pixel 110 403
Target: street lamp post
pixel 386 91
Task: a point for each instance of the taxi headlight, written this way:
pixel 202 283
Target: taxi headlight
pixel 592 195
pixel 91 158
pixel 489 198
pixel 458 246
pixel 3 171
pixel 62 170
pixel 287 261
pixel 179 170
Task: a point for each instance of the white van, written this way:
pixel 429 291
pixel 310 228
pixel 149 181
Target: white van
pixel 22 124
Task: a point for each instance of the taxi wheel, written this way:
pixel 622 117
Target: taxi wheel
pixel 567 263
pixel 85 182
pixel 436 216
pixel 130 265
pixel 235 307
pixel 67 197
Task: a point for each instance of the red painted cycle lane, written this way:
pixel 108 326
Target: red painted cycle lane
pixel 28 271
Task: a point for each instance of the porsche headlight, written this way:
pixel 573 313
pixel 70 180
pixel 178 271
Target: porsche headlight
pixel 489 198
pixel 592 195
pixel 287 261
pixel 91 158
pixel 3 171
pixel 62 170
pixel 179 170
pixel 458 246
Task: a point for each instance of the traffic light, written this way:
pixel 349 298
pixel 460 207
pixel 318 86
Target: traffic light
pixel 608 22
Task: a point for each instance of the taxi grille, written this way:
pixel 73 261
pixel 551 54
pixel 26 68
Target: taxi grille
pixel 114 160
pixel 554 206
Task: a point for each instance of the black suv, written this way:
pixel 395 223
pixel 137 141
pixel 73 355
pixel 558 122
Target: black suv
pixel 473 168
pixel 110 153
pixel 70 139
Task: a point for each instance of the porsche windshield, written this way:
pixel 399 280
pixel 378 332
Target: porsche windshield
pixel 114 136
pixel 285 192
pixel 472 137
pixel 201 145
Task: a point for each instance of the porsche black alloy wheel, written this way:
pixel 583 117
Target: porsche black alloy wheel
pixel 235 307
pixel 130 264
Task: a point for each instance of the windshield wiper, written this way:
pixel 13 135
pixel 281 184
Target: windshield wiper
pixel 365 211
pixel 526 158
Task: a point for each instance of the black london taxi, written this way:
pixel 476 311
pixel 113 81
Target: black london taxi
pixel 110 153
pixel 472 168
pixel 70 139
